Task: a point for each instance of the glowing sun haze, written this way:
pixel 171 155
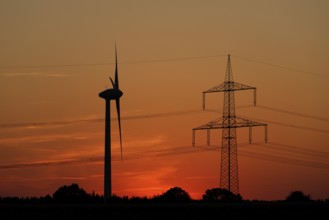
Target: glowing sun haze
pixel 56 56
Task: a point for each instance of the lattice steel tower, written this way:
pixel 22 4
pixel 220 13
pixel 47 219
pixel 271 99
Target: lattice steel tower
pixel 229 178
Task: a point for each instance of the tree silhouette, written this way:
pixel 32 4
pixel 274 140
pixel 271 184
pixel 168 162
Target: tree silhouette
pixel 298 196
pixel 175 194
pixel 71 194
pixel 220 195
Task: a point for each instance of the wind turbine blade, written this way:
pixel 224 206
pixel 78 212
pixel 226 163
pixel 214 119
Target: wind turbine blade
pixel 119 120
pixel 116 68
pixel 112 82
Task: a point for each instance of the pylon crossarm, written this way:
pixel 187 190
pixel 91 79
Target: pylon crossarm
pixel 218 88
pixel 238 123
pixel 239 86
pixel 241 122
pixel 228 86
pixel 214 124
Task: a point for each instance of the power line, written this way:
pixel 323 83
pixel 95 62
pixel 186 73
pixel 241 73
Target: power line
pixel 106 64
pixel 275 158
pixel 163 115
pixel 50 163
pixel 283 67
pixel 280 123
pixel 294 126
pixel 54 66
pixel 157 153
pixel 298 150
pixel 64 162
pixel 176 151
pixel 293 113
pixel 158 61
pixel 174 59
pixel 97 120
pixel 160 152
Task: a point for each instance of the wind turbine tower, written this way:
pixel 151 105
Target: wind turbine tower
pixel 110 94
pixel 228 123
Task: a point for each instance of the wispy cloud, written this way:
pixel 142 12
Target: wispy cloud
pixel 201 177
pixel 146 189
pixel 34 74
pixel 146 142
pixel 144 182
pixel 48 138
pixel 65 178
pixel 69 121
pixel 43 102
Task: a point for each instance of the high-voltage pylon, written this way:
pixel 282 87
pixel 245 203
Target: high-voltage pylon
pixel 228 123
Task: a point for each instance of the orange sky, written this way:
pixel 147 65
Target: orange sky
pixel 40 40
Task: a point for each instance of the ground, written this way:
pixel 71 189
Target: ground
pixel 202 211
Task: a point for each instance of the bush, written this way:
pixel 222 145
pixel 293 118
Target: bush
pixel 298 196
pixel 71 194
pixel 220 195
pixel 175 194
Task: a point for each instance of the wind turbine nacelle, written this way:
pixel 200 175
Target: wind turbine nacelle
pixel 111 94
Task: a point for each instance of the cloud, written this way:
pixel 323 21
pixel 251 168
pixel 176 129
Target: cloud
pixel 65 178
pixel 201 177
pixel 54 124
pixel 144 180
pixel 146 142
pixel 34 74
pixel 48 138
pixel 143 189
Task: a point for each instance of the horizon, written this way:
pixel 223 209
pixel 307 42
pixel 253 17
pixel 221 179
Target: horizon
pixel 56 57
pixel 301 195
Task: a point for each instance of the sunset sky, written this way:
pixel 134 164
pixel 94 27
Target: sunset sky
pixel 56 56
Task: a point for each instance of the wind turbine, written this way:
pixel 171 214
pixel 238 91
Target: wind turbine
pixel 110 94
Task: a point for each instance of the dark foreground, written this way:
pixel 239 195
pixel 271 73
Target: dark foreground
pixel 266 210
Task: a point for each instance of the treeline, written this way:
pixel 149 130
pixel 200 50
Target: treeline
pixel 73 194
